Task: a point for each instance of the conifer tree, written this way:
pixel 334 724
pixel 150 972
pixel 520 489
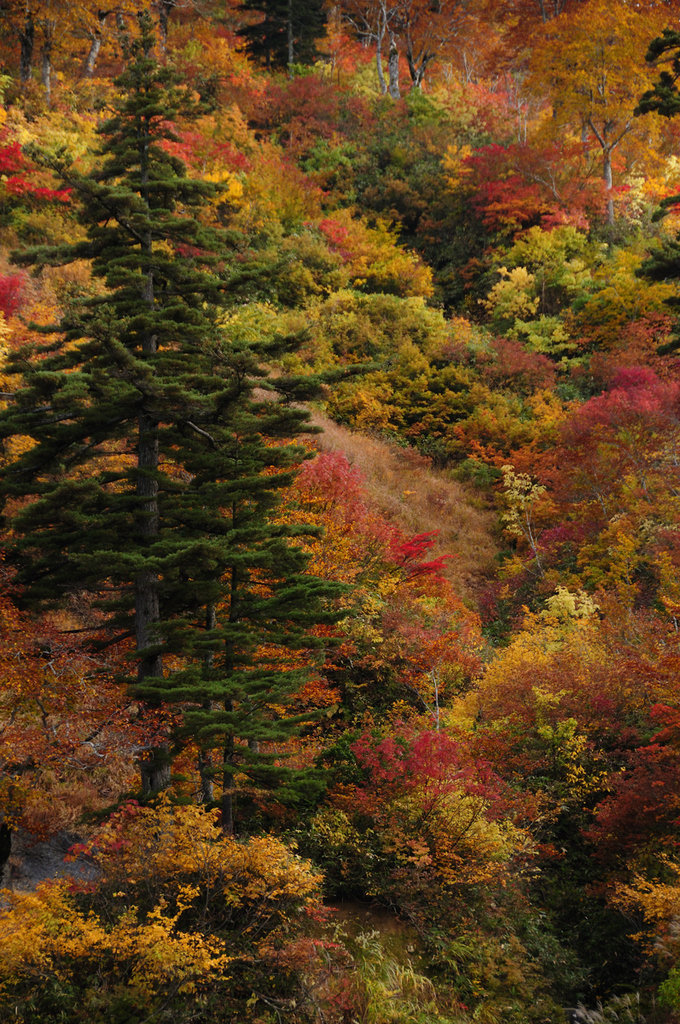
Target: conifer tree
pixel 663 97
pixel 664 263
pixel 287 33
pixel 159 450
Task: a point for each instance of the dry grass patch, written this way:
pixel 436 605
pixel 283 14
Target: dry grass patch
pixel 404 487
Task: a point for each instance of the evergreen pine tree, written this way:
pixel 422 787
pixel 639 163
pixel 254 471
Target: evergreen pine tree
pixel 664 263
pixel 663 97
pixel 160 450
pixel 287 33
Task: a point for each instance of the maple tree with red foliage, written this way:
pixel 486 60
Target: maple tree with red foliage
pixel 18 177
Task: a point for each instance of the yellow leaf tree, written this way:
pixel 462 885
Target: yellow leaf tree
pixel 591 63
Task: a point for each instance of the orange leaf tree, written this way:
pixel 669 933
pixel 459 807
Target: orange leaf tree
pixel 591 63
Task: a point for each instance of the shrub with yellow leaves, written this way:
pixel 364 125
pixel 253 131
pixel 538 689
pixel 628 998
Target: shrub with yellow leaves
pixel 182 921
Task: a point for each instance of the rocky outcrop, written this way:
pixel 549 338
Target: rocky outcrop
pixel 30 861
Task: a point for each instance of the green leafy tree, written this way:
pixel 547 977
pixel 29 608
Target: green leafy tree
pixel 159 450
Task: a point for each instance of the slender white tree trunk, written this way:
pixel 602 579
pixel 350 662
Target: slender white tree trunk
pixel 608 181
pixel 48 28
pixel 393 70
pixel 378 60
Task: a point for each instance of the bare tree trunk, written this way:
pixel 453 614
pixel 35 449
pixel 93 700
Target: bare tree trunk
pixel 608 145
pixel 416 68
pixel 608 181
pixel 95 46
pixel 378 60
pixel 91 59
pixel 164 8
pixel 393 70
pixel 46 68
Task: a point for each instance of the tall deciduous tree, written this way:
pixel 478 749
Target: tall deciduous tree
pixel 428 31
pixel 420 29
pixel 156 461
pixel 19 21
pixel 590 63
pixel 377 22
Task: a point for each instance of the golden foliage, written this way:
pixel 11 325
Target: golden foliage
pixel 176 907
pixel 161 847
pixel 44 935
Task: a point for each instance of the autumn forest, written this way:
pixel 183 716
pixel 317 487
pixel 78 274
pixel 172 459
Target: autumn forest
pixel 340 486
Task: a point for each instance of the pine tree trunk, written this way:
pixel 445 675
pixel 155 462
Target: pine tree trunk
pixel 229 741
pixel 5 842
pixel 228 786
pixel 146 527
pixel 156 769
pixel 205 774
pixel 205 762
pixel 5 853
pixel 147 610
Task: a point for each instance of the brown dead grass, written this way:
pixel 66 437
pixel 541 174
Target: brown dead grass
pixel 418 499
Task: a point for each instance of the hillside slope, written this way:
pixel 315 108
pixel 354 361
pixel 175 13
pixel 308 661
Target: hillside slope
pixel 417 498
